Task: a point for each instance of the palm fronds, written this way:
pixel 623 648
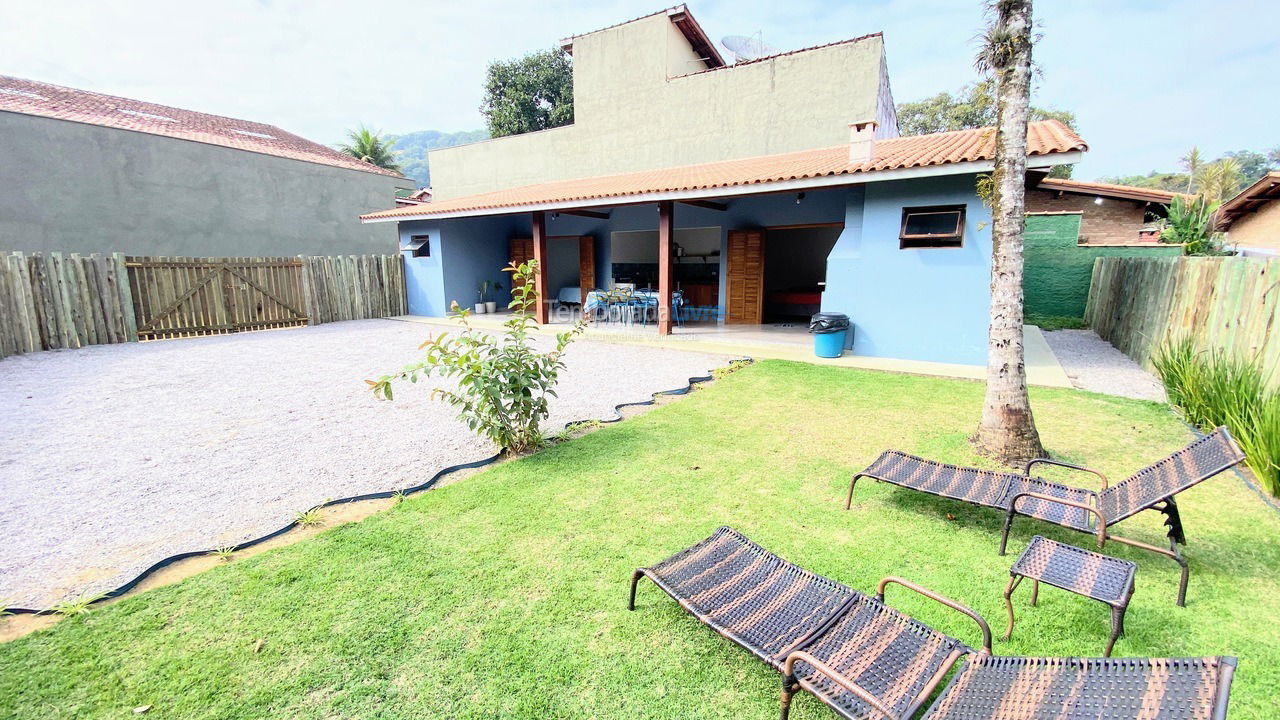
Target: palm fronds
pixel 372 147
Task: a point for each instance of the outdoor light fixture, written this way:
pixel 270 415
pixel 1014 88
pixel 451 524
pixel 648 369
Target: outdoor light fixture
pixel 1097 201
pixel 799 198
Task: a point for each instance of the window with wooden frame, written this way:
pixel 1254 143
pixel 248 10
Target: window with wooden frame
pixel 940 226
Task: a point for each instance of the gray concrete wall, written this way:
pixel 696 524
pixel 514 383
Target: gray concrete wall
pixel 72 187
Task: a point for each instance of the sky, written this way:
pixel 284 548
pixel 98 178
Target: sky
pixel 1147 79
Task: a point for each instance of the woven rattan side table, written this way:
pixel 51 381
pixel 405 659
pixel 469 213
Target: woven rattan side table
pixel 1082 572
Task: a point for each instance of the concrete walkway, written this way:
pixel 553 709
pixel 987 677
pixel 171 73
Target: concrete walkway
pixel 1042 366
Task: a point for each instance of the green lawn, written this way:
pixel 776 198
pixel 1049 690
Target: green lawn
pixel 504 595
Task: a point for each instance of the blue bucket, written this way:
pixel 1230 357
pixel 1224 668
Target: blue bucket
pixel 829 344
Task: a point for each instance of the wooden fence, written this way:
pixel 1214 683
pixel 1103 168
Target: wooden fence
pixel 350 287
pixel 51 300
pixel 1230 302
pixel 63 301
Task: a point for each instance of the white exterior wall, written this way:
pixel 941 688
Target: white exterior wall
pixel 640 102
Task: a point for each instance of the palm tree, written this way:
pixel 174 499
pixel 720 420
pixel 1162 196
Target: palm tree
pixel 1007 430
pixel 1193 164
pixel 1220 180
pixel 369 146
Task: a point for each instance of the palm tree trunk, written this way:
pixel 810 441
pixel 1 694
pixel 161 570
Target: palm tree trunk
pixel 1007 431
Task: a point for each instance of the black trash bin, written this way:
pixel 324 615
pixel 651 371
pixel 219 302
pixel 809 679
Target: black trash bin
pixel 830 331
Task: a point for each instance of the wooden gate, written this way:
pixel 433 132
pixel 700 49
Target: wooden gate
pixel 179 297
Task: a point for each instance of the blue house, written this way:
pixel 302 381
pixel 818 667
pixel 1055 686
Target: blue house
pixel 771 215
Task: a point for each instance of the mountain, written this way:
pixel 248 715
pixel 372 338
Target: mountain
pixel 411 149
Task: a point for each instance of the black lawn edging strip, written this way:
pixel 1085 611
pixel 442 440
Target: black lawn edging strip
pixel 166 562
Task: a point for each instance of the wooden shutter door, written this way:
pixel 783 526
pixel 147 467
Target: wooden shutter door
pixel 745 292
pixel 521 252
pixel 586 266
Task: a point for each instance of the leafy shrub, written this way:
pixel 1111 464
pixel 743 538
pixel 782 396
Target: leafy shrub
pixel 503 383
pixel 1217 388
pixel 1190 223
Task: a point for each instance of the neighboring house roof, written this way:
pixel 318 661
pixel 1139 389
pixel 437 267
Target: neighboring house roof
pixel 417 197
pixel 1266 190
pixel 684 22
pixel 53 101
pixel 1125 192
pixel 831 165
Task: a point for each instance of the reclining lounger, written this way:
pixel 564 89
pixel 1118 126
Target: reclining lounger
pixel 1088 511
pixel 870 662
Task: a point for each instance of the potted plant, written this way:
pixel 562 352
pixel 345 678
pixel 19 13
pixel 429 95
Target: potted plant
pixel 483 288
pixel 492 305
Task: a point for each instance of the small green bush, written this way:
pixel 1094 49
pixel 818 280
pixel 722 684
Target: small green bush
pixel 1218 388
pixel 503 383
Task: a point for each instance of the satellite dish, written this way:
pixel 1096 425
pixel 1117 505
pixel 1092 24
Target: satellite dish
pixel 748 47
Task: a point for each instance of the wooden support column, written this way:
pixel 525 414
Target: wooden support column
pixel 541 311
pixel 666 264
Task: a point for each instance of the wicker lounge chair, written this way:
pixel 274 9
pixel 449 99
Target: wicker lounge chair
pixel 1024 688
pixel 868 661
pixel 1089 511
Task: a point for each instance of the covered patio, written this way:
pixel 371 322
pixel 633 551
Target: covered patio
pixel 890 232
pixel 659 267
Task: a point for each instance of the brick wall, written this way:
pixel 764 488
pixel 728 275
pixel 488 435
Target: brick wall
pixel 1113 222
pixel 1258 229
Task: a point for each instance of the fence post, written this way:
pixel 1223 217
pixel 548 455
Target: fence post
pixel 125 292
pixel 308 302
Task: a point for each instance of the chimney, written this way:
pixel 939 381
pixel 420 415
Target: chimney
pixel 862 141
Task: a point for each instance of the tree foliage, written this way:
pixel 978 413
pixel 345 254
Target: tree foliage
pixel 973 106
pixel 372 147
pixel 1217 180
pixel 534 92
pixel 1253 165
pixel 412 148
pixel 503 383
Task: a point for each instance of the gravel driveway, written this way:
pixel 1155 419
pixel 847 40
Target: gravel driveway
pixel 1094 364
pixel 116 456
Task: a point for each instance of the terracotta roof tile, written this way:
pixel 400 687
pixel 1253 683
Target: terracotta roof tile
pixel 53 101
pixel 1128 192
pixel 1043 138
